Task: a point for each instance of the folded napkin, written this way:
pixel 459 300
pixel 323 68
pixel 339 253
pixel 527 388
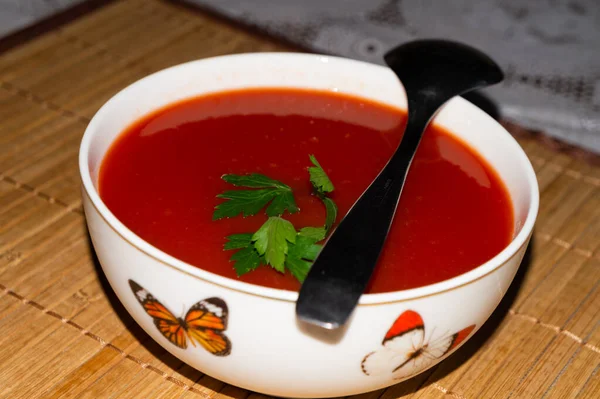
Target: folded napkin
pixel 549 49
pixel 19 14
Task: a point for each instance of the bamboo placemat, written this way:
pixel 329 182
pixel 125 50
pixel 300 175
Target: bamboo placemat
pixel 64 334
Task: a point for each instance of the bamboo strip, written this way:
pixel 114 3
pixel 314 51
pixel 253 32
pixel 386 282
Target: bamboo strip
pixel 50 354
pixel 11 239
pixel 538 378
pixel 586 319
pixel 17 139
pixel 18 277
pixel 31 141
pixel 66 188
pixel 562 213
pixel 571 300
pixel 144 385
pixel 9 196
pixel 19 219
pixel 84 374
pixel 574 228
pixel 34 50
pixel 50 166
pixel 592 386
pixel 88 99
pixel 570 380
pixel 535 339
pixel 52 146
pixel 8 105
pixel 113 381
pixel 556 192
pixel 592 341
pixel 40 69
pixel 167 390
pixel 33 116
pixel 549 289
pixel 544 254
pixel 36 247
pixel 588 240
pixel 81 69
pixel 48 293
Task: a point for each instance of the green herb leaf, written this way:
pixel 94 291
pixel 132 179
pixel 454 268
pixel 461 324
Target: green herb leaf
pixel 254 180
pixel 304 248
pixel 319 178
pixel 315 233
pixel 247 202
pixel 250 202
pixel 281 202
pixel 300 256
pixel 332 211
pixel 272 239
pixel 298 267
pixel 237 241
pixel 322 185
pixel 245 260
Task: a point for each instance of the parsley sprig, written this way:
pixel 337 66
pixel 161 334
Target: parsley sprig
pixel 276 242
pixel 250 202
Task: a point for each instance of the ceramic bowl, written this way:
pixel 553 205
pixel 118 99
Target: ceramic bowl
pixel 262 347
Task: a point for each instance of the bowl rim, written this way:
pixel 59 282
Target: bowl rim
pixel 164 258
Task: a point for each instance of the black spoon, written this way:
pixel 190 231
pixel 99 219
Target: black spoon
pixel 432 72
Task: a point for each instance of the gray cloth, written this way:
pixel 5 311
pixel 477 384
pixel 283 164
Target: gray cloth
pixel 550 50
pixel 18 14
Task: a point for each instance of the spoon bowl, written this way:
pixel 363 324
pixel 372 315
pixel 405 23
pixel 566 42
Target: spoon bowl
pixel 441 69
pixel 432 72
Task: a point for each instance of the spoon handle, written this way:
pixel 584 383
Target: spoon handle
pixel 344 267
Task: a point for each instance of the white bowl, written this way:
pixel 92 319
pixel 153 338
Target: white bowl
pixel 267 350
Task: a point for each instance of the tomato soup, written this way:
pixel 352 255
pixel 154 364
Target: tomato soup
pixel 161 179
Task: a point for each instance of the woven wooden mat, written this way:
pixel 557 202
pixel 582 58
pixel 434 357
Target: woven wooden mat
pixel 64 334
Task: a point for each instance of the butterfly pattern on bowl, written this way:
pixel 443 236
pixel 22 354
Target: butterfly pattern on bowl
pixel 203 323
pixel 406 351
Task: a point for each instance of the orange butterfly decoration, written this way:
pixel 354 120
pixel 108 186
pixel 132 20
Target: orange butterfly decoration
pixel 204 323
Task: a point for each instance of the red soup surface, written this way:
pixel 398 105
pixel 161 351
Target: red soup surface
pixel 162 175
